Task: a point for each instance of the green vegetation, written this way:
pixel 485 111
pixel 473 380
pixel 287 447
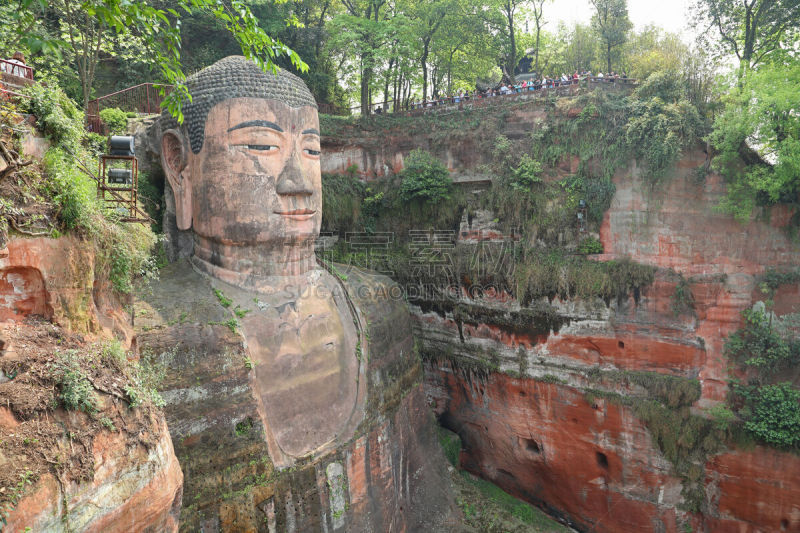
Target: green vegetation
pixel 115 119
pixel 490 509
pixel 774 413
pixel 590 245
pixel 97 29
pixel 766 404
pixel 76 391
pixel 685 439
pixel 451 445
pixel 223 300
pixel 122 250
pixel 76 371
pixel 232 324
pixel 145 377
pixel 425 179
pixel 25 479
pixel 243 428
pixel 682 298
pixel 760 346
pixel 756 138
pixel 108 424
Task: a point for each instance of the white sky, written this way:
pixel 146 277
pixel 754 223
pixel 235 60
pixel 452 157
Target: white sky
pixel 672 15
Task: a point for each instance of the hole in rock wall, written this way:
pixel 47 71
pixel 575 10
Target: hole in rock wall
pixel 621 344
pixel 784 525
pixel 532 446
pixel 602 460
pixel 23 293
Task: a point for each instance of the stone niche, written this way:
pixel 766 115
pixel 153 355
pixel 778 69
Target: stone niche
pixel 22 293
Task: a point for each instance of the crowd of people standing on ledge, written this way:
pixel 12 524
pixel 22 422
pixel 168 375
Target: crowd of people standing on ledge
pixel 546 82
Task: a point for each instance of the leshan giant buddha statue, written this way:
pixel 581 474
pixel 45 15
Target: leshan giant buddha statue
pixel 293 396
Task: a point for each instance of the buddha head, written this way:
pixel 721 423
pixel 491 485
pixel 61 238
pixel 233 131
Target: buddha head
pixel 244 168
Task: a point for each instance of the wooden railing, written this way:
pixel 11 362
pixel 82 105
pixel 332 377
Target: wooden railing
pixel 15 69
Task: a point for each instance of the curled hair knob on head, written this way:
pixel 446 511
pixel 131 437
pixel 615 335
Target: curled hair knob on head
pixel 234 77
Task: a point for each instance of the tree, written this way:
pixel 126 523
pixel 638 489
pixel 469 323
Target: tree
pixel 757 139
pixel 752 30
pixel 500 19
pixel 365 22
pixel 611 23
pixel 159 31
pixel 538 20
pixel 430 16
pixel 509 8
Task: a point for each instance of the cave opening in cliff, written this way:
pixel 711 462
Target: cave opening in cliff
pixel 602 460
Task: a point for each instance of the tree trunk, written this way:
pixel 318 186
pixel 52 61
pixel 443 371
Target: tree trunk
pixel 424 62
pixel 608 56
pixel 512 62
pixel 366 75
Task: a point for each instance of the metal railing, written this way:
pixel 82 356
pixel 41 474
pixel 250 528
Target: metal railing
pixel 144 98
pixel 485 98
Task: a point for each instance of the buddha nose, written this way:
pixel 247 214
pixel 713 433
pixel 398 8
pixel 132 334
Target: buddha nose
pixel 292 181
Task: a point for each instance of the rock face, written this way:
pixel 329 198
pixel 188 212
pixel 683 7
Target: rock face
pixel 388 476
pixel 529 388
pixel 75 473
pixel 54 278
pixel 133 489
pixel 528 417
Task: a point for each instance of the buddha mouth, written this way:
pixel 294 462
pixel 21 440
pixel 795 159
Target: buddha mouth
pixel 297 214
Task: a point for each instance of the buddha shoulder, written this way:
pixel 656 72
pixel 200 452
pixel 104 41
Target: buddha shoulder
pixel 179 296
pixel 383 310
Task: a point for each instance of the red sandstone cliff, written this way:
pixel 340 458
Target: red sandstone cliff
pixel 523 397
pixel 111 470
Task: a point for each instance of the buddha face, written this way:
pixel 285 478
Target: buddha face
pixel 257 178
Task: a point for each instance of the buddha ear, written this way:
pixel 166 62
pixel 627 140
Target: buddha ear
pixel 174 160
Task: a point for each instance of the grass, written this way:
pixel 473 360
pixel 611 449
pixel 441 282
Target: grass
pixel 490 509
pixel 224 301
pixel 487 507
pixel 451 445
pixel 76 391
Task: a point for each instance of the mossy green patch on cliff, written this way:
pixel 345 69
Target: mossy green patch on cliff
pixel 451 444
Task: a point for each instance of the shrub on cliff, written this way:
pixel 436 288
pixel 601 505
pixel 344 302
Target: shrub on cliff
pixel 769 410
pixel 662 123
pixel 773 413
pixel 115 119
pixel 759 345
pixel 425 178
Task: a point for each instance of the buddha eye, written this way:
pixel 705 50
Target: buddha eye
pixel 262 147
pixel 309 151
